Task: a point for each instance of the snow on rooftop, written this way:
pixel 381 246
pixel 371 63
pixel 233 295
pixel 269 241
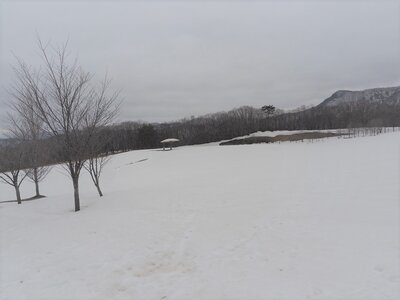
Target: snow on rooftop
pixel 170 140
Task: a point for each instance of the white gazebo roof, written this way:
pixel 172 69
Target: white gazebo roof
pixel 170 140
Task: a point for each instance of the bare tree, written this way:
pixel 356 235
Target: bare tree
pixel 11 166
pixel 70 107
pixel 98 157
pixel 26 126
pixel 95 167
pixel 36 175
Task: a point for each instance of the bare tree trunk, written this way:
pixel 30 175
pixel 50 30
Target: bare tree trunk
pixel 99 190
pixel 18 194
pixel 75 181
pixel 37 189
pixel 36 180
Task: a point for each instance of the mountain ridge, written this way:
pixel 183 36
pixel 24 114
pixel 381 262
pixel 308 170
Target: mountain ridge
pixel 372 95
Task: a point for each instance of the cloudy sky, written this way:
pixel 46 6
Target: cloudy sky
pixel 175 59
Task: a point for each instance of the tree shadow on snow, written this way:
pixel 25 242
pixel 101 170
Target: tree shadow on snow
pixel 26 199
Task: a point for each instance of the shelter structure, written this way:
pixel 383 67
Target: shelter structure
pixel 169 143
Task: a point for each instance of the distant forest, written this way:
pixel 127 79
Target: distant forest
pixel 240 121
pixel 245 120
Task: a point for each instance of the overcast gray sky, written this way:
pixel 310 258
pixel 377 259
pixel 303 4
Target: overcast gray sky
pixel 176 59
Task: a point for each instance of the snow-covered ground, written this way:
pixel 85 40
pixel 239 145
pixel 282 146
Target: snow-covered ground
pixel 266 221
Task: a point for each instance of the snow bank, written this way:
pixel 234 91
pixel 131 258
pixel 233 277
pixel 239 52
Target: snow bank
pixel 284 132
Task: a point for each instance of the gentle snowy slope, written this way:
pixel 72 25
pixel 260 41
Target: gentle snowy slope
pixel 269 221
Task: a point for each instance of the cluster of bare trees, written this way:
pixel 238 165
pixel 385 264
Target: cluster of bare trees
pixel 213 127
pixel 59 116
pixel 13 170
pixel 246 119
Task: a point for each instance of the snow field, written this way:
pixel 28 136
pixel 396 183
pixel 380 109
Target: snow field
pixel 266 221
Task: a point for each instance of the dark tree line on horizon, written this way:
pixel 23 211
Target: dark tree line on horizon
pixel 245 120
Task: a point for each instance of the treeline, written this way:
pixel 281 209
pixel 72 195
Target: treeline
pixel 245 120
